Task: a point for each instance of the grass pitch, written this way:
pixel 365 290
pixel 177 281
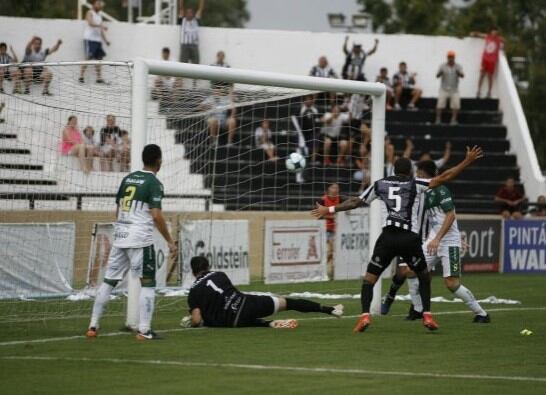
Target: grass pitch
pixel 322 356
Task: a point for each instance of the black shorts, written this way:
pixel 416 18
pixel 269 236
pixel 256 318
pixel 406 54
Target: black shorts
pixel 254 308
pixel 93 50
pixel 395 242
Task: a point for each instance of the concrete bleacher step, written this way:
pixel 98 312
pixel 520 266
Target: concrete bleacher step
pixel 14 151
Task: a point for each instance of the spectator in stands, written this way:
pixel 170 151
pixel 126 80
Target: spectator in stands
pixel 353 68
pixel 309 121
pixel 449 72
pixel 222 114
pixel 93 35
pixel 220 62
pixel 510 200
pixel 91 145
pixel 490 57
pixel 263 138
pixel 538 209
pixel 404 85
pixel 109 136
pixel 323 70
pixel 363 160
pixel 331 198
pixel 72 144
pixel 124 151
pixel 12 74
pixel 440 162
pixel 163 85
pixel 189 32
pixel 384 78
pixel 333 132
pixel 390 157
pixel 35 54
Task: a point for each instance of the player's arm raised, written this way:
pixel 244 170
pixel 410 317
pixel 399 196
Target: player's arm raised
pixel 448 175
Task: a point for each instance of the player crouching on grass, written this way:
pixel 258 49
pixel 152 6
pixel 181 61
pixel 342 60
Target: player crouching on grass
pixel 442 245
pixel 138 209
pixel 214 301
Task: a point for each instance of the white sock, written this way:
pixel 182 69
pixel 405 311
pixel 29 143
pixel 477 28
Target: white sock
pixel 101 300
pixel 413 285
pixel 146 307
pixel 466 295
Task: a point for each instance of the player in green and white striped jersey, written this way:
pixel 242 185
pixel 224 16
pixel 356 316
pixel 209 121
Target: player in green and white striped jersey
pixel 138 209
pixel 441 245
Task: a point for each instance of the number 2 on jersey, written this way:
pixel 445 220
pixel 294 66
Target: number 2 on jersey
pixel 128 198
pixel 211 284
pixel 397 199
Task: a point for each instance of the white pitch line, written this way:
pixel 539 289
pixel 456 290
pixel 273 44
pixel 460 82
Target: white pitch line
pixel 65 338
pixel 280 368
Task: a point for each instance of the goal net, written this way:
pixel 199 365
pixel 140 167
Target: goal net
pixel 226 136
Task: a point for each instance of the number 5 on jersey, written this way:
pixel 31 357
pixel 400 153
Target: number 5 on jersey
pixel 397 199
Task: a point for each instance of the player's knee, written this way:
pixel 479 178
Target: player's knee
pixel 370 278
pixel 452 283
pixel 111 282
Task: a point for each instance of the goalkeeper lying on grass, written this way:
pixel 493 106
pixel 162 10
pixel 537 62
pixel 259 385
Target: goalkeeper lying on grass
pixel 214 301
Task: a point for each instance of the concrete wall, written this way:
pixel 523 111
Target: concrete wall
pixel 267 50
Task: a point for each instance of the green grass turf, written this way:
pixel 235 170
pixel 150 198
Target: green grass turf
pixel 81 366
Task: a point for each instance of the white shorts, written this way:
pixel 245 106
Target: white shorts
pixel 448 256
pixel 139 260
pixel 454 100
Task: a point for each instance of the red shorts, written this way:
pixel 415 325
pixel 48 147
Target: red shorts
pixel 488 65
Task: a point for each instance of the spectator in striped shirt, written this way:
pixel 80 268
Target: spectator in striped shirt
pixel 9 73
pixel 323 70
pixel 35 54
pixel 404 85
pixel 353 69
pixel 189 32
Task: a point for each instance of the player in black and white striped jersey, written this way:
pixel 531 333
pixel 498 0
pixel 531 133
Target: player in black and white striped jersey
pixel 401 196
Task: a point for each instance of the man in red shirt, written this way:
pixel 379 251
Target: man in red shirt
pixel 331 198
pixel 510 199
pixel 493 44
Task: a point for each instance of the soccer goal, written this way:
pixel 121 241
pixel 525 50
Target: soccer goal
pixel 225 134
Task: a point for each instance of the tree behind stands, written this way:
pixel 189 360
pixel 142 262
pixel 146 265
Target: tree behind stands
pixel 521 22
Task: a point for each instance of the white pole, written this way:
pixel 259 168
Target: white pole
pixel 377 166
pixel 80 10
pixel 157 12
pixel 130 11
pixel 138 141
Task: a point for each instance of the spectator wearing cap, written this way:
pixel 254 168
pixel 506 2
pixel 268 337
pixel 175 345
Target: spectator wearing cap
pixel 353 69
pixel 449 72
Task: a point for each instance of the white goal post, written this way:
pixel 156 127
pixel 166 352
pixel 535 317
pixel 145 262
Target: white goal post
pixel 143 68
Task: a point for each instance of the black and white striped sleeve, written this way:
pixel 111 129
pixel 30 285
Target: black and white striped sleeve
pixel 369 194
pixel 422 184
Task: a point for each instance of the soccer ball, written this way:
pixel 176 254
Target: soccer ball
pixel 295 162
